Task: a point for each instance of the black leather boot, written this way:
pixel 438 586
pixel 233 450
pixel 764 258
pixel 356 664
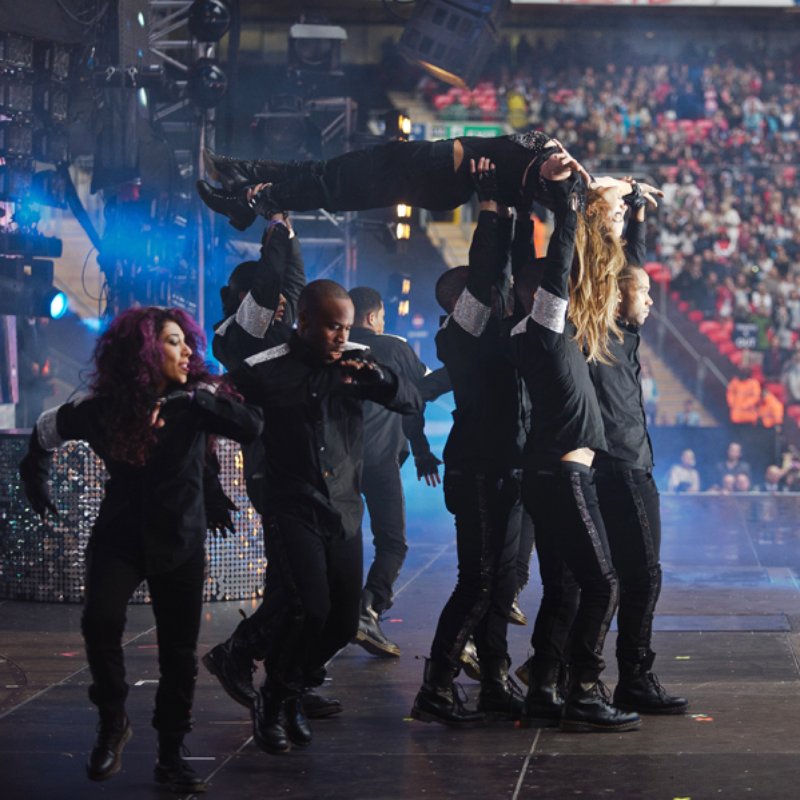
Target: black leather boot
pixel 172 771
pixel 543 700
pixel 231 663
pixel 235 207
pixel 296 723
pixel 639 690
pixel 317 706
pixel 500 698
pixel 113 733
pixel 369 635
pixel 234 173
pixel 269 729
pixel 587 709
pixel 438 700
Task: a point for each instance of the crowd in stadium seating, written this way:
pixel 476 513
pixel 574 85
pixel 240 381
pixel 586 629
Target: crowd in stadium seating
pixel 721 134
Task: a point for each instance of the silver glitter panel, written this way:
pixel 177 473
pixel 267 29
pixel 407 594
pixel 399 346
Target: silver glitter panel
pixel 44 561
pixel 255 319
pixel 471 314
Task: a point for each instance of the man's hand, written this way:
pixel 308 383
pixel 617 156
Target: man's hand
pixel 219 514
pixel 428 468
pixel 484 179
pixel 561 165
pixel 360 373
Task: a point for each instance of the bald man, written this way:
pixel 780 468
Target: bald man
pixel 312 389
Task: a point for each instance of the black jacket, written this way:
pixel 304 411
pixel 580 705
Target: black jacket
pixel 253 327
pixel 566 415
pixel 474 350
pixel 387 434
pixel 313 433
pixel 157 508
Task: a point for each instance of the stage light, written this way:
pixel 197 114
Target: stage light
pixel 316 48
pixel 452 39
pixel 207 83
pixel 57 304
pixel 398 126
pixel 284 131
pixel 209 20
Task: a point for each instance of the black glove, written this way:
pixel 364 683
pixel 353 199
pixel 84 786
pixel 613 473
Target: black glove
pixel 485 184
pixel 35 486
pixel 635 199
pixel 370 374
pixel 219 509
pixel 426 464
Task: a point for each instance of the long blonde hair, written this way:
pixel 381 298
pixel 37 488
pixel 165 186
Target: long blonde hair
pixel 593 290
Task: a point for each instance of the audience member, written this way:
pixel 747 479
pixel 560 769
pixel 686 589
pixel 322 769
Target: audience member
pixel 689 416
pixel 684 477
pixel 743 396
pixel 732 465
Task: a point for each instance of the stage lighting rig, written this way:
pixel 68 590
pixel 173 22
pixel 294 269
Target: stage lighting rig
pixel 27 289
pixel 209 20
pixel 316 48
pixel 207 83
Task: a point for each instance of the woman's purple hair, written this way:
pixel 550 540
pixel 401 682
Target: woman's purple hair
pixel 127 371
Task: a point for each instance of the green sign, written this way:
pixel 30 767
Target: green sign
pixel 453 130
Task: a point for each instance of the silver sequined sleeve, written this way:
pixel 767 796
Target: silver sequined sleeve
pixel 255 319
pixel 549 311
pixel 471 314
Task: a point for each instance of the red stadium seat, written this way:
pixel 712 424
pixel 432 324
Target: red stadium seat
pixel 696 316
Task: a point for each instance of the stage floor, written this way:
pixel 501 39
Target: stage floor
pixel 726 637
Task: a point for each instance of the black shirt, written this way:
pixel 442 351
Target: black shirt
pixel 313 431
pixel 156 508
pixel 565 412
pixel 474 350
pixel 386 434
pixel 618 385
pixel 619 393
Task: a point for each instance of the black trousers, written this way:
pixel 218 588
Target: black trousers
pixel 112 577
pixel 487 560
pixel 382 488
pixel 418 173
pixel 629 503
pixel 580 589
pixel 312 598
pixel 521 525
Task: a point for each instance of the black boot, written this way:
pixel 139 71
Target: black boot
pixel 543 700
pixel 296 723
pixel 587 709
pixel 231 663
pixel 469 661
pixel 369 635
pixel 639 690
pixel 234 173
pixel 172 771
pixel 113 733
pixel 317 706
pixel 235 207
pixel 438 701
pixel 269 730
pixel 500 698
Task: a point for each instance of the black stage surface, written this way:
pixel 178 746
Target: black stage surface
pixel 727 637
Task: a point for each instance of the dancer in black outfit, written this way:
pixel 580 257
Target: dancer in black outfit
pixel 580 585
pixel 628 495
pixel 478 483
pixel 432 175
pixel 151 409
pixel 386 441
pixel 312 387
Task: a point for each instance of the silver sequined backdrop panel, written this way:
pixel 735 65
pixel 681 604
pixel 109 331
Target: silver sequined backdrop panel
pixel 44 562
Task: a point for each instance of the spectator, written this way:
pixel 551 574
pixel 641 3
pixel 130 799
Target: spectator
pixel 684 477
pixel 689 416
pixel 743 395
pixel 770 410
pixel 791 379
pixel 741 482
pixel 726 486
pixel 773 476
pixel 649 393
pixel 774 360
pixel 733 464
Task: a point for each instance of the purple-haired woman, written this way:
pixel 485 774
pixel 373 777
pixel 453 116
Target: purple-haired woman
pixel 151 408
